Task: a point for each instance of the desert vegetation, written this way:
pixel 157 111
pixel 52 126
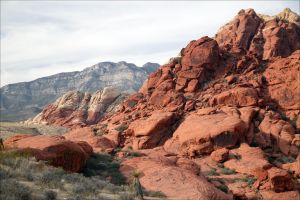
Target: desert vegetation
pixel 25 178
pixel 12 128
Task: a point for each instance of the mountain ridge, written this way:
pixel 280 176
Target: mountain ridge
pixel 34 95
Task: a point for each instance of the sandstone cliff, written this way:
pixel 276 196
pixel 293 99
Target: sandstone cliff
pixel 77 108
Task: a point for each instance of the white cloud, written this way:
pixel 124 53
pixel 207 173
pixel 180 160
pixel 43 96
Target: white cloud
pixel 44 38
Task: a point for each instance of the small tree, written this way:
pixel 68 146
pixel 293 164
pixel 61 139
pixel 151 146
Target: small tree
pixel 136 186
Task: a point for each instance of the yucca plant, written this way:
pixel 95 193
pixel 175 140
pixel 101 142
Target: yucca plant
pixel 136 186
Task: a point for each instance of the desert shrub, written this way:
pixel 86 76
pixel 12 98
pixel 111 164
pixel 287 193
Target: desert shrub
pixel 158 194
pixel 13 158
pixel 213 172
pixel 223 188
pixel 104 166
pixel 112 188
pixel 286 159
pixel 132 154
pixel 126 196
pixel 220 165
pixel 50 195
pixel 249 180
pixel 136 186
pixel 11 190
pixel 51 178
pixel 227 171
pixel 121 128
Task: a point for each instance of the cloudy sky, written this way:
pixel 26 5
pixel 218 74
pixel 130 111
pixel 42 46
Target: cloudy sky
pixel 43 38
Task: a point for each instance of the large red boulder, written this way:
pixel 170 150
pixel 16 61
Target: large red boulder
pixel 243 156
pixel 56 150
pixel 200 53
pixel 280 180
pixel 98 143
pixel 199 133
pixel 278 130
pixel 173 177
pixel 152 131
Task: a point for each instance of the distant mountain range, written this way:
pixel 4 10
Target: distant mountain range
pixel 20 101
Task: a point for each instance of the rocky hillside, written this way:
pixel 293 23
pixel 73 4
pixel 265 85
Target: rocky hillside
pixel 218 122
pixel 23 100
pixel 77 108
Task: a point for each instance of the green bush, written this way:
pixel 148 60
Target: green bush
pixel 227 171
pixel 213 172
pixel 121 128
pixel 104 166
pixel 286 159
pixel 224 188
pixel 249 180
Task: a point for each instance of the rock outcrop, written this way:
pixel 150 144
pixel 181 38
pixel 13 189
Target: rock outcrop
pixel 278 36
pixel 80 109
pixel 55 150
pixel 160 173
pixel 230 103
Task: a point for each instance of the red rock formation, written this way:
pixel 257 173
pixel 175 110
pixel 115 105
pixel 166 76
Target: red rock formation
pixel 152 131
pixel 220 155
pixel 238 91
pixel 280 180
pixel 98 143
pixel 282 78
pixel 160 173
pixel 247 160
pixel 199 134
pixel 56 150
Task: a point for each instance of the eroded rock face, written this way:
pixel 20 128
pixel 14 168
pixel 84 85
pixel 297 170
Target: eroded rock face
pixel 236 97
pixel 199 59
pixel 220 155
pixel 98 143
pixel 277 36
pixel 79 109
pixel 279 132
pixel 160 173
pixel 282 77
pixel 280 180
pixel 58 151
pixel 245 155
pixel 152 131
pixel 231 92
pixel 271 195
pixel 238 33
pixel 293 167
pixel 200 133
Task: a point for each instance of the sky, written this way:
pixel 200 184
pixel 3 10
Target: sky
pixel 43 38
